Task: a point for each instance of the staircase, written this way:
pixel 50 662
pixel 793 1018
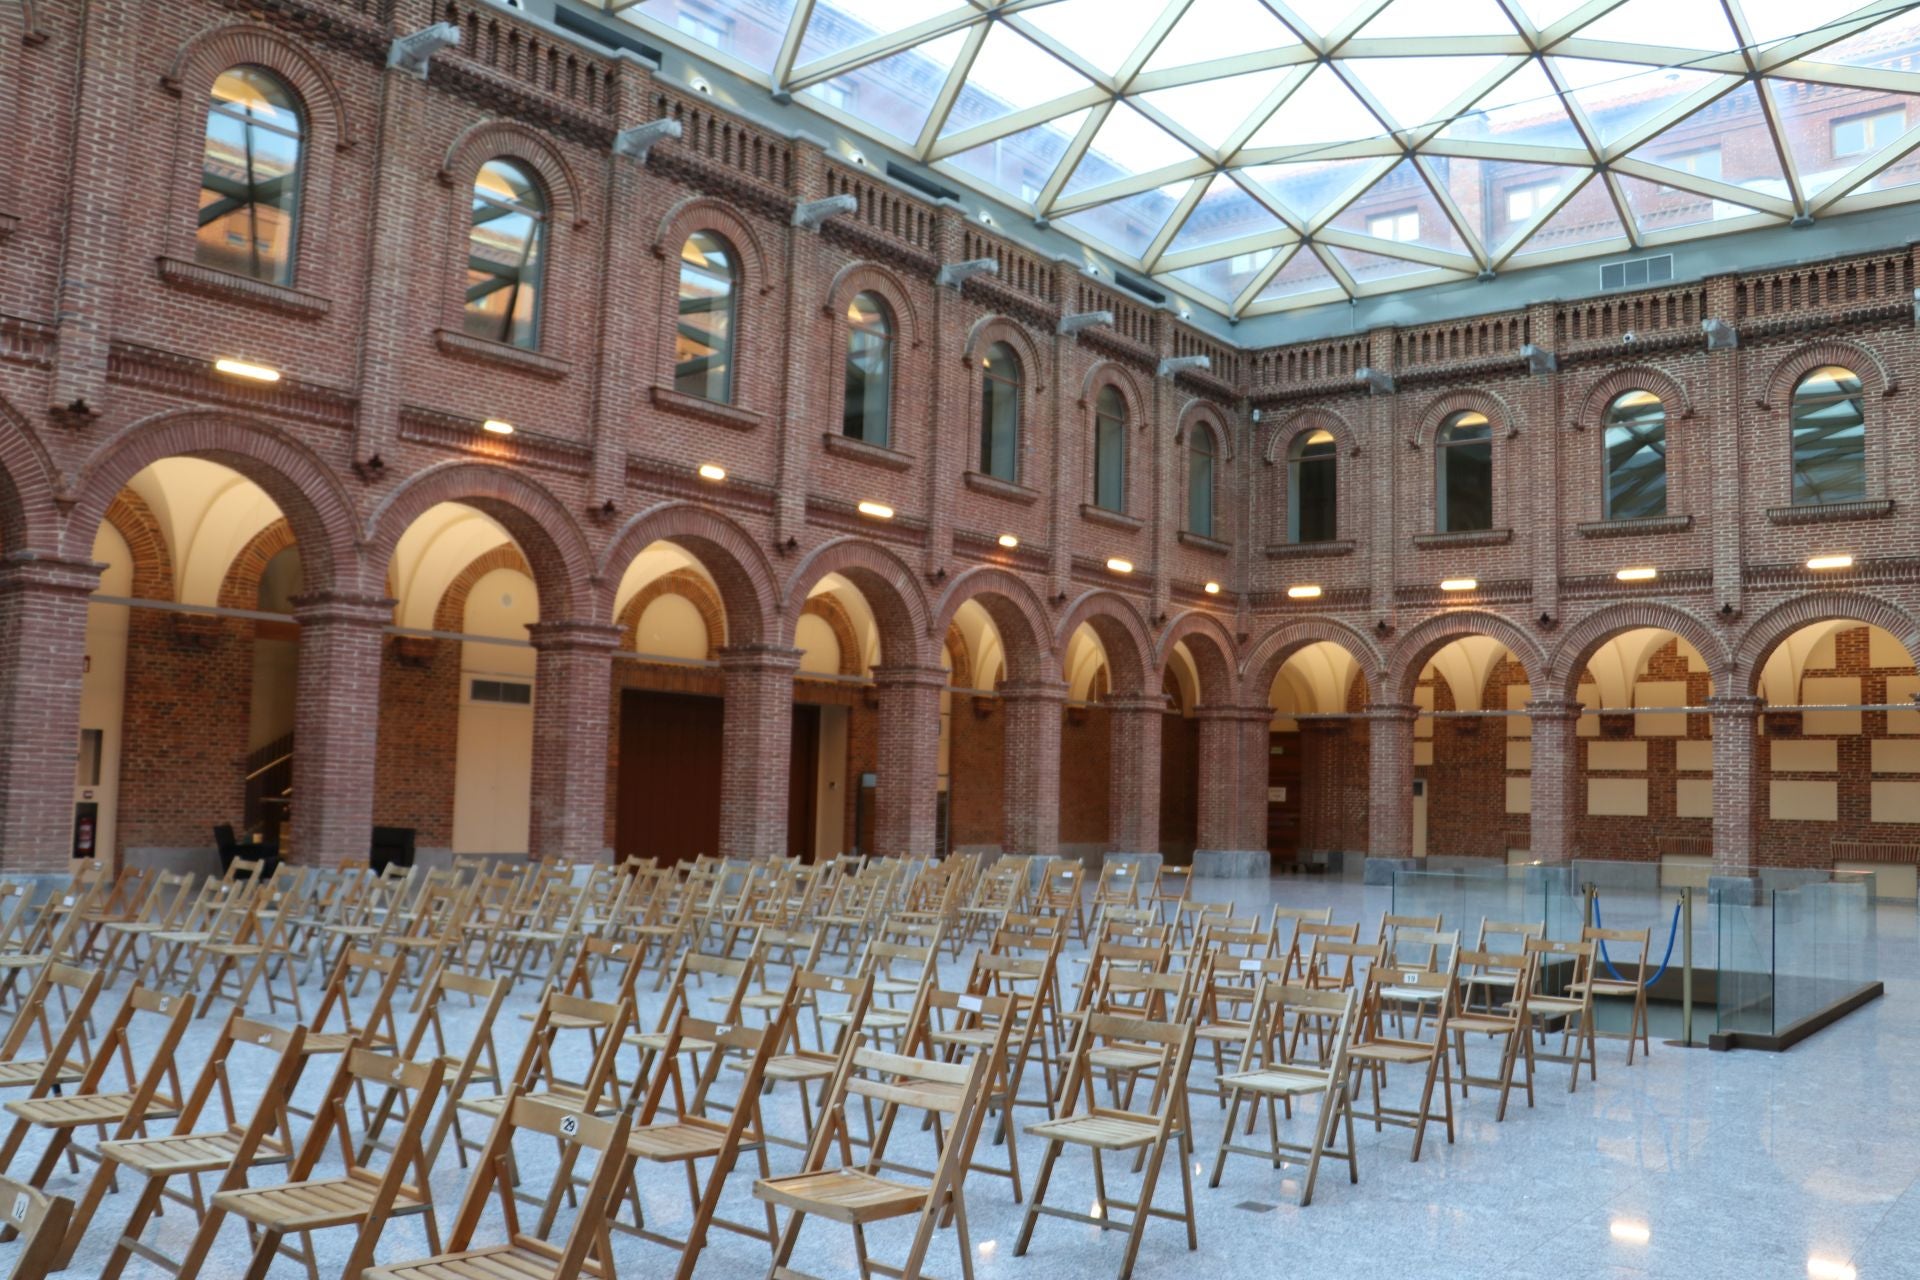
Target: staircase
pixel 269 786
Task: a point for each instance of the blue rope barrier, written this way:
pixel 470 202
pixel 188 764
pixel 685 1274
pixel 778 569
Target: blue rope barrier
pixel 1673 932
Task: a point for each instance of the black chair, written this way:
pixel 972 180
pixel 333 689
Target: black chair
pixel 223 841
pixel 392 846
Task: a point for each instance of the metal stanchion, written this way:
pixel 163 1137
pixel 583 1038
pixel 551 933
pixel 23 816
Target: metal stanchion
pixel 1686 966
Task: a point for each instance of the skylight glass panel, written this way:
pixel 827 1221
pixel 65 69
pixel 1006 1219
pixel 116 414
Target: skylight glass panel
pixel 1770 21
pixel 1129 224
pixel 1322 110
pixel 1224 280
pixel 1522 110
pixel 1308 188
pixel 1830 129
pixel 1226 212
pixel 1324 16
pixel 1401 208
pixel 1373 269
pixel 1501 198
pixel 1128 144
pixel 1018 166
pixel 1415 18
pixel 1544 13
pixel 1888 45
pixel 1010 73
pixel 1729 141
pixel 1213 29
pixel 1212 110
pixel 1657 207
pixel 1303 275
pixel 836 26
pixel 1904 172
pixel 753 34
pixel 1417 91
pixel 1104 33
pixel 1589 218
pixel 1620 97
pixel 894 95
pixel 1672 24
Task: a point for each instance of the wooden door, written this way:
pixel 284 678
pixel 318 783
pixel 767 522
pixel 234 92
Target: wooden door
pixel 803 780
pixel 669 801
pixel 1283 795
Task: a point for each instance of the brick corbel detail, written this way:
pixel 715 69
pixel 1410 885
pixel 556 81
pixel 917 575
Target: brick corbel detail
pixel 1735 775
pixel 1032 785
pixel 1390 747
pixel 756 747
pixel 572 700
pixel 1134 726
pixel 1556 779
pixel 336 725
pixel 43 611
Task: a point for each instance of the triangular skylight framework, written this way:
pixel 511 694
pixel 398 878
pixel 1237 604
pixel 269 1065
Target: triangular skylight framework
pixel 1261 155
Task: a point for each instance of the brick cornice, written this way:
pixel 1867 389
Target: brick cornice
pixel 574 636
pixel 28 570
pixel 772 659
pixel 224 285
pixel 343 609
pixel 845 446
pixel 463 346
pixel 703 410
pixel 192 378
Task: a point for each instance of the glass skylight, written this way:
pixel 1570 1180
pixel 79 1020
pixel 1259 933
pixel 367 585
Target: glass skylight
pixel 1260 155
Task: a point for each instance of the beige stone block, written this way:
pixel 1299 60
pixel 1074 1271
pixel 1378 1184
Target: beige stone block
pixel 1803 801
pixel 1617 797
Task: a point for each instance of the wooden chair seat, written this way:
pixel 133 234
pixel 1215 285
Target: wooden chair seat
pixel 183 936
pixel 21 1073
pixel 312 1206
pixel 15 960
pixel 1103 1132
pixel 188 1153
pixel 666 1143
pixel 793 1067
pixel 1121 1059
pixel 341 1041
pixel 973 1037
pixel 761 1000
pixel 1604 987
pixel 882 1019
pixel 1556 1005
pixel 1277 1081
pixel 566 1021
pixel 1410 995
pixel 233 950
pixel 1229 1030
pixel 502 1262
pixel 1491 1024
pixel 1391 1051
pixel 655 1041
pixel 895 987
pixel 843 1195
pixel 494 1105
pixel 88 1109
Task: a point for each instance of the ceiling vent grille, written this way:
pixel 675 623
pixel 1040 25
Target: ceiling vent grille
pixel 1134 284
pixel 1632 273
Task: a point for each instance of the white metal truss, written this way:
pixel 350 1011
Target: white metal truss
pixel 1260 155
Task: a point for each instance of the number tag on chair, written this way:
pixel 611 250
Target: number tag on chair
pixel 970 1003
pixel 1413 978
pixel 724 1028
pixel 266 1037
pixel 67 901
pixel 20 1206
pixel 397 1068
pixel 569 1125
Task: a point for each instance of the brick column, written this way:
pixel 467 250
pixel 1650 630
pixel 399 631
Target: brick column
pixel 907 754
pixel 336 724
pixel 572 700
pixel 1390 802
pixel 1134 724
pixel 756 749
pixel 1232 836
pixel 43 637
pixel 1556 791
pixel 1033 711
pixel 1736 752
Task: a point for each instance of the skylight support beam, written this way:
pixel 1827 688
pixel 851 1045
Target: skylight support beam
pixel 1150 257
pixel 956 81
pixel 1885 157
pixel 882 47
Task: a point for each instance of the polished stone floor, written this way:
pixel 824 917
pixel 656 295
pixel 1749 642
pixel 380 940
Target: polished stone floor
pixel 1695 1164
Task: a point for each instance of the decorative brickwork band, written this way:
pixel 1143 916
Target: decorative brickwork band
pixel 756 749
pixel 1033 710
pixel 572 703
pixel 1390 822
pixel 1556 801
pixel 336 725
pixel 1735 775
pixel 1134 803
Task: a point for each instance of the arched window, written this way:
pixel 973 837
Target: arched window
pixel 1000 381
pixel 505 255
pixel 703 346
pixel 1464 472
pixel 1829 438
pixel 1636 444
pixel 1200 482
pixel 1313 503
pixel 250 177
pixel 1110 449
pixel 869 409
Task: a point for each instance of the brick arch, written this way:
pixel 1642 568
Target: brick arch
pixel 1017 614
pixel 886 582
pixel 829 610
pixel 1111 373
pixel 1215 655
pixel 870 277
pixel 1447 403
pixel 961 677
pixel 1263 663
pixel 1429 637
pixel 1582 640
pixel 307 491
pixel 1875 377
pixel 450 611
pixel 554 547
pixel 240 585
pixel 152 558
pixel 1122 631
pixel 730 556
pixel 204 56
pixel 990 329
pixel 28 482
pixel 1280 435
pixel 1198 410
pixel 689 586
pixel 1758 642
pixel 1636 377
pixel 487 140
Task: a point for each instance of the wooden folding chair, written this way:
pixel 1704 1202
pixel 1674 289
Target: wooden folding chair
pixel 1168 896
pixel 477 1063
pixel 1060 894
pixel 1495 986
pixel 41 1221
pixel 264 1137
pixel 1267 1074
pixel 1145 1133
pixel 211 915
pixel 249 954
pixel 1572 1007
pixel 847 997
pixel 363 1198
pixel 692 973
pixel 900 972
pixel 1118 886
pixel 165 905
pixel 1373 1051
pixel 855 1194
pixel 377 1030
pixel 64 1055
pixel 1618 985
pixel 1509 1022
pixel 587 1250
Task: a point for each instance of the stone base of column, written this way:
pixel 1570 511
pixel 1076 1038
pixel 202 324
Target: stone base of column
pixel 1231 864
pixel 1728 890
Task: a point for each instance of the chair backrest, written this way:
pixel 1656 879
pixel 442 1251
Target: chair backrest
pixel 1503 935
pixel 76 990
pixel 286 1050
pixel 154 1044
pixel 223 838
pixel 349 973
pixel 951 1089
pixel 42 1222
pixel 1309 936
pixel 1333 1011
pixel 1168 1042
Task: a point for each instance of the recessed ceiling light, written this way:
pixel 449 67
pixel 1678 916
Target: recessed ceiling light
pixel 700 85
pixel 246 369
pixel 1309 592
pixel 1213 588
pixel 878 510
pixel 1118 565
pixel 1008 541
pixel 1630 1232
pixel 1460 584
pixel 1831 562
pixel 712 471
pixel 1829 1269
pixel 498 427
pixel 1645 573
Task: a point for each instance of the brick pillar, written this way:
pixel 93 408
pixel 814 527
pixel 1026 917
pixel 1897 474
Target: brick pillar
pixel 1232 836
pixel 907 753
pixel 336 724
pixel 756 749
pixel 1033 711
pixel 1134 724
pixel 1556 793
pixel 1736 752
pixel 572 703
pixel 43 640
pixel 1390 803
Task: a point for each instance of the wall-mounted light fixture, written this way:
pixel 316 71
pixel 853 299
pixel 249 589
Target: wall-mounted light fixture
pixel 246 369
